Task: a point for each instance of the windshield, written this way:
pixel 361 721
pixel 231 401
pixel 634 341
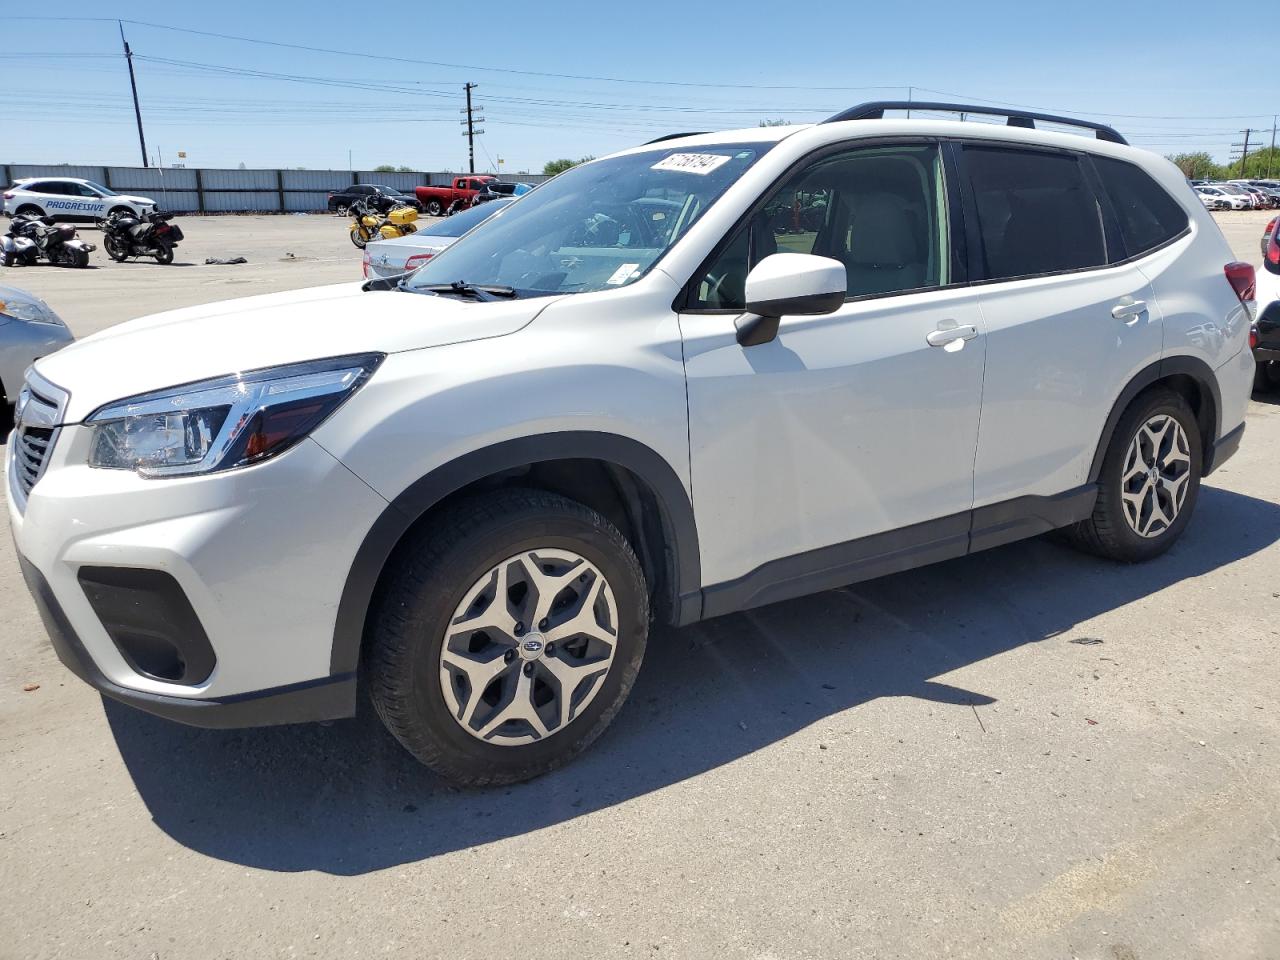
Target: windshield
pixel 460 223
pixel 101 189
pixel 600 225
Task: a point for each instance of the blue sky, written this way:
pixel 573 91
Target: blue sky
pixel 573 78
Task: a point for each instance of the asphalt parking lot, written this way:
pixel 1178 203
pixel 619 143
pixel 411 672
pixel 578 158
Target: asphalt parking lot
pixel 1025 753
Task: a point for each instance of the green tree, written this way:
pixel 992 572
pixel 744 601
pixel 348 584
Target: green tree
pixel 775 123
pixel 1198 166
pixel 384 168
pixel 553 167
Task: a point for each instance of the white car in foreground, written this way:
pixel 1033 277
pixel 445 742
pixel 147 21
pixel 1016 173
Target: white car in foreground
pixel 71 199
pixel 694 377
pixel 391 258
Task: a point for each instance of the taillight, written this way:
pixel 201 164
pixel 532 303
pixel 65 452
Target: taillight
pixel 364 265
pixel 1242 279
pixel 1253 336
pixel 8 196
pixel 1273 245
pixel 417 260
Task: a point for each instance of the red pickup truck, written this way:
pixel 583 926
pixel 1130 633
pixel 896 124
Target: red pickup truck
pixel 436 200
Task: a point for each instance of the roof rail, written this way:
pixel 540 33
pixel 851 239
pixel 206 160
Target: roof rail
pixel 674 136
pixel 875 109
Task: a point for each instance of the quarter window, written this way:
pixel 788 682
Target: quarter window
pixel 1036 212
pixel 880 211
pixel 1148 216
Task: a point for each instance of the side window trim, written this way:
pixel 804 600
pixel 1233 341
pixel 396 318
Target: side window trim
pixel 979 273
pixel 684 301
pixel 1113 239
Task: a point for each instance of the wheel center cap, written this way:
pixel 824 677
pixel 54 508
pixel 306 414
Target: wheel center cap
pixel 1154 474
pixel 531 647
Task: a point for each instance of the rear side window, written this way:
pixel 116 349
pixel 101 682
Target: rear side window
pixel 1036 212
pixel 1148 216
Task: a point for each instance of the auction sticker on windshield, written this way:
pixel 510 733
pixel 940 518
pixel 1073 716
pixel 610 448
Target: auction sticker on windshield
pixel 691 162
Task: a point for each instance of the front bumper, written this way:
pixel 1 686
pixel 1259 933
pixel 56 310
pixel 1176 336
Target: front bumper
pixel 260 553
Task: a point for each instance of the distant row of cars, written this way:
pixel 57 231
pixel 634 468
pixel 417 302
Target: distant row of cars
pixel 1238 194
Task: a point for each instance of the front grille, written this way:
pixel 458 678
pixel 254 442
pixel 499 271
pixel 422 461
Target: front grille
pixel 30 454
pixel 40 410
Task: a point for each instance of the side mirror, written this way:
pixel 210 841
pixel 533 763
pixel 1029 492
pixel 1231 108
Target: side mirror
pixel 789 284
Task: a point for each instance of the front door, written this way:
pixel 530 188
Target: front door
pixel 846 426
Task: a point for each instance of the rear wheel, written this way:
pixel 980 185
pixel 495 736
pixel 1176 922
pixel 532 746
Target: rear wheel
pixel 164 254
pixel 507 636
pixel 1149 483
pixel 73 257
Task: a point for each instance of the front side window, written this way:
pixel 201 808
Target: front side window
pixel 1036 212
pixel 597 226
pixel 1148 216
pixel 881 211
pixel 101 190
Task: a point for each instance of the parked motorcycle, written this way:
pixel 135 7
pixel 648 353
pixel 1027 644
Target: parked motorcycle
pixel 386 220
pixel 31 238
pixel 126 235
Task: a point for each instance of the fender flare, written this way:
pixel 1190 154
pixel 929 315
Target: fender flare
pixel 1193 367
pixel 410 506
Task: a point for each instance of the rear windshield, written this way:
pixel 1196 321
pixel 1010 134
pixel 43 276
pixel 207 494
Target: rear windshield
pixel 460 223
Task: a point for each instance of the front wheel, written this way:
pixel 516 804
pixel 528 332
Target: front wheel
pixel 359 236
pixel 116 249
pixel 73 257
pixel 341 209
pixel 1149 483
pixel 508 634
pixel 434 208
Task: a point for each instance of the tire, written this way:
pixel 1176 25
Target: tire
pixel 164 255
pixel 8 259
pixel 29 208
pixel 360 236
pixel 440 574
pixel 1261 378
pixel 1110 532
pixel 435 208
pixel 341 209
pixel 69 257
pixel 116 250
pixel 123 211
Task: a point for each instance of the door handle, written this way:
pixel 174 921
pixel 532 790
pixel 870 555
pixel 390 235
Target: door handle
pixel 951 334
pixel 1129 309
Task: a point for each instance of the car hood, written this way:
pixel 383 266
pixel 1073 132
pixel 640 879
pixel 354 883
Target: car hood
pixel 130 198
pixel 216 339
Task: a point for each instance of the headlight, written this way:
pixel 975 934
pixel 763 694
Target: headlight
pixel 33 311
pixel 224 423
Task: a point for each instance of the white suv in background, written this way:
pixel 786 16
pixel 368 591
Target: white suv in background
pixel 694 377
pixel 70 198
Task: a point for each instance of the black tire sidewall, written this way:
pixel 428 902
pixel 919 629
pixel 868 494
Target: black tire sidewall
pixel 1130 544
pixel 429 604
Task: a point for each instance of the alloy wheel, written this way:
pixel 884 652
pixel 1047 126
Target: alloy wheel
pixel 528 647
pixel 1156 475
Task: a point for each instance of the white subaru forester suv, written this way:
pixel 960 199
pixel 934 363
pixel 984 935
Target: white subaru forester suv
pixel 697 376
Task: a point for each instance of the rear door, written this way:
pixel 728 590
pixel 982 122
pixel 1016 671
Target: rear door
pixel 1068 321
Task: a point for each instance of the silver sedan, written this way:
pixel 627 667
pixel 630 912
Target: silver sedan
pixel 28 330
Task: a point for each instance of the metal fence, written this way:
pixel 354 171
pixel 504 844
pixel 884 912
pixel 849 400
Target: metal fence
pixel 195 190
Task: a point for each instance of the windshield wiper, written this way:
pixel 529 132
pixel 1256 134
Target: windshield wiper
pixel 481 291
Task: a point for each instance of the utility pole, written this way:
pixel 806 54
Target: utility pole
pixel 1244 151
pixel 472 131
pixel 911 95
pixel 1273 145
pixel 133 83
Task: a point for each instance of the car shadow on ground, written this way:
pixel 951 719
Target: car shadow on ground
pixel 346 799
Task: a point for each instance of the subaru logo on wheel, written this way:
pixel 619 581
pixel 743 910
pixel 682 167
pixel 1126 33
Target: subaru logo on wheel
pixel 533 647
